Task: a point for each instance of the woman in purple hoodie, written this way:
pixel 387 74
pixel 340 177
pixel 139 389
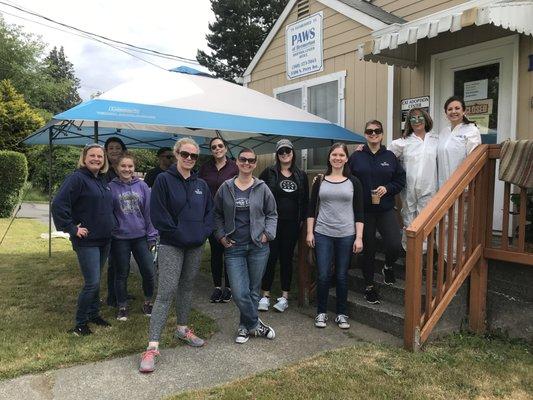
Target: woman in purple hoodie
pixel 133 233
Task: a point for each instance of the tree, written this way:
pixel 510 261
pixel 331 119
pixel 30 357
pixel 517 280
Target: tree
pixel 240 28
pixel 64 81
pixel 17 118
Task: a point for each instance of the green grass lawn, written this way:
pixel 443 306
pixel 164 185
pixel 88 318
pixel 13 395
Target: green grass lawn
pixel 38 302
pixel 33 194
pixel 458 367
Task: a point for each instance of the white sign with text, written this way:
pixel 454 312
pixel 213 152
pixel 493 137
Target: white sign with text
pixel 304 47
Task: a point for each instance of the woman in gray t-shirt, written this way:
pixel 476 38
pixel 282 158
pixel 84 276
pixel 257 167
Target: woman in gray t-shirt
pixel 335 230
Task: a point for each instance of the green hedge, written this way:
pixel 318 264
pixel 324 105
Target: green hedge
pixel 13 175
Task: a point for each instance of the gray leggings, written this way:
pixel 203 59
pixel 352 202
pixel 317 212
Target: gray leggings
pixel 177 271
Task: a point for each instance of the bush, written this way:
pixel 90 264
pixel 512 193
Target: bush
pixel 13 175
pixel 146 159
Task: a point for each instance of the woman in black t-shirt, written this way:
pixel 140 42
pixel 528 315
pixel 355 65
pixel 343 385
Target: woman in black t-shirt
pixel 291 190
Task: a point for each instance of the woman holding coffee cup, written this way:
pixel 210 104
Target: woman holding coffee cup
pixel 382 177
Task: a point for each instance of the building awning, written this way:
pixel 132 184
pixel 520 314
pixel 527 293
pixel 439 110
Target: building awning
pixel 396 44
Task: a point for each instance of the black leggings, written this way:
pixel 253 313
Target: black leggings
pixel 389 228
pixel 217 262
pixel 283 248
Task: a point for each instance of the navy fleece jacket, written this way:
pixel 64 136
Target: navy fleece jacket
pixel 379 169
pixel 84 200
pixel 181 209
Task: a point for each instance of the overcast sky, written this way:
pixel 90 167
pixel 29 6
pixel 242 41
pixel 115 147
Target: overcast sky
pixel 177 27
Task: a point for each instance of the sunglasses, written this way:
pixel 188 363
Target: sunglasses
pixel 245 160
pixel 186 154
pixel 217 146
pixel 284 150
pixel 377 131
pixel 417 119
pixel 91 145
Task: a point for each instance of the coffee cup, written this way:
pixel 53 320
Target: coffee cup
pixel 375 196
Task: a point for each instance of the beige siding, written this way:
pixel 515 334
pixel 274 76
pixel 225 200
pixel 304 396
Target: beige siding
pixel 414 9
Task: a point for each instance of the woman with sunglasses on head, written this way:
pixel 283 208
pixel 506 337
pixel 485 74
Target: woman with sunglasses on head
pixel 457 140
pixel 335 230
pixel 181 210
pixel 83 207
pixel 245 221
pixel 382 177
pixel 133 234
pixel 215 171
pixel 417 150
pixel 291 190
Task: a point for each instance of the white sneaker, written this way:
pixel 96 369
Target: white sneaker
pixel 342 321
pixel 264 303
pixel 242 336
pixel 282 304
pixel 320 320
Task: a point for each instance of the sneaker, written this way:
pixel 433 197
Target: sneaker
pixel 148 360
pixel 264 303
pixel 98 320
pixel 147 309
pixel 264 331
pixel 122 314
pixel 371 296
pixel 320 320
pixel 189 337
pixel 226 295
pixel 342 321
pixel 282 304
pixel 242 336
pixel 216 296
pixel 80 330
pixel 388 276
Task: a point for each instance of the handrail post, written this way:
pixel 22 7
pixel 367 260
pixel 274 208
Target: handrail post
pixel 303 269
pixel 413 291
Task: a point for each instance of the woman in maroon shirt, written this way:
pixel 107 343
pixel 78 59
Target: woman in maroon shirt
pixel 215 172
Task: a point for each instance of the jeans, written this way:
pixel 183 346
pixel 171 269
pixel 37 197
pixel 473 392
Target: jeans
pixel 120 250
pixel 217 262
pixel 111 277
pixel 246 265
pixel 91 260
pixel 329 249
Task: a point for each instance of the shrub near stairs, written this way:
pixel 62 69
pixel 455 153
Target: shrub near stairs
pixel 13 175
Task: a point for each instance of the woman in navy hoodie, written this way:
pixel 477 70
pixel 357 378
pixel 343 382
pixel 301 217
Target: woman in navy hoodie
pixel 181 210
pixel 83 208
pixel 382 177
pixel 134 233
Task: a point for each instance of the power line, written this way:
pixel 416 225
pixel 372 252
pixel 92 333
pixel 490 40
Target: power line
pixel 94 36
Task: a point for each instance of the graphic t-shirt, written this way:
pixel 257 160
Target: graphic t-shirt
pixel 242 216
pixel 287 198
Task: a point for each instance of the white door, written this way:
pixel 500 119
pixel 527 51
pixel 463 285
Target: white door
pixel 485 75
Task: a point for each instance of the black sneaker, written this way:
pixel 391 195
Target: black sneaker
pixel 371 296
pixel 122 314
pixel 147 309
pixel 80 330
pixel 216 296
pixel 388 276
pixel 263 330
pixel 226 295
pixel 98 320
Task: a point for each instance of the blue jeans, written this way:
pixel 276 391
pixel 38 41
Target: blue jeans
pixel 328 250
pixel 246 265
pixel 120 250
pixel 91 260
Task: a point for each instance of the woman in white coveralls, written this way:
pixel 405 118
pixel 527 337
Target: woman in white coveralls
pixel 417 150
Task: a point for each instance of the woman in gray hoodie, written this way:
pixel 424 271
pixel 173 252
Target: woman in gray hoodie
pixel 245 221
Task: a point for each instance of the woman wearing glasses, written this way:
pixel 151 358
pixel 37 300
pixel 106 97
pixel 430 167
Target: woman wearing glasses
pixel 291 190
pixel 215 171
pixel 382 177
pixel 83 207
pixel 181 210
pixel 245 221
pixel 417 150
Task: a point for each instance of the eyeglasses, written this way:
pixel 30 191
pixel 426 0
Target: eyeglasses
pixel 186 154
pixel 377 131
pixel 245 160
pixel 219 146
pixel 417 119
pixel 284 150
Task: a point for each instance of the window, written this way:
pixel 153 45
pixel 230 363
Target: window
pixel 324 97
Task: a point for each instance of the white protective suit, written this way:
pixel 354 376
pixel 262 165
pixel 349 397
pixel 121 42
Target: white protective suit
pixel 419 158
pixel 454 146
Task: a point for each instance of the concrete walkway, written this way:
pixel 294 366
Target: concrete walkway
pixel 185 368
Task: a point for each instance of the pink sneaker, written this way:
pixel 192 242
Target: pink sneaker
pixel 148 360
pixel 190 338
